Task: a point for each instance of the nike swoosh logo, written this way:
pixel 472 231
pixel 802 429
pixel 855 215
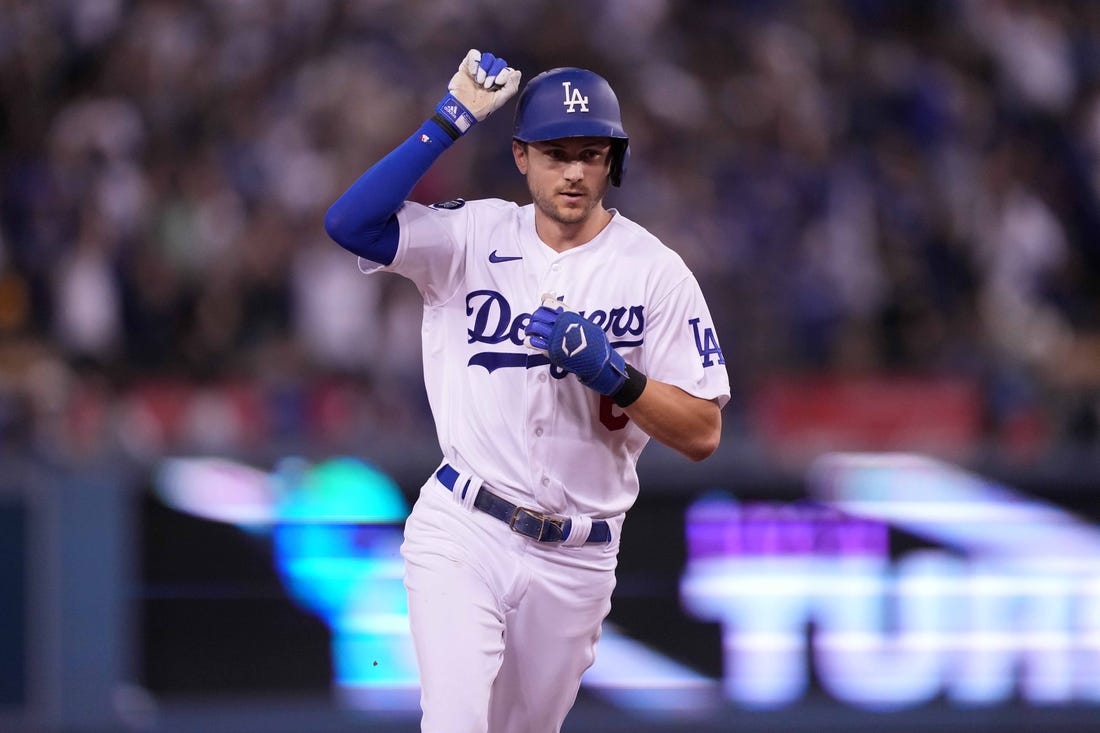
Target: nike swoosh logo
pixel 495 258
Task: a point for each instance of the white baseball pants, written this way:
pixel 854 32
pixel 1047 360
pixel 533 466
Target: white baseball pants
pixel 503 626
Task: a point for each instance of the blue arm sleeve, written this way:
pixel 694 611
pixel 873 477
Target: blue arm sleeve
pixel 364 219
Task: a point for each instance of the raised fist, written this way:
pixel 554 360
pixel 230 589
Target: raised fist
pixel 483 83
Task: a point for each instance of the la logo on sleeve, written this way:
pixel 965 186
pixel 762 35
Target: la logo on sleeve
pixel 707 344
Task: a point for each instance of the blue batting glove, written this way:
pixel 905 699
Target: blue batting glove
pixel 577 345
pixel 542 322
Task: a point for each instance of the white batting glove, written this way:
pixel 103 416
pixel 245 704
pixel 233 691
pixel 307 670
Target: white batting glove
pixel 483 83
pixel 481 86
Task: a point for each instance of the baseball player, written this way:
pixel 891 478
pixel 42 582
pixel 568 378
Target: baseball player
pixel 558 338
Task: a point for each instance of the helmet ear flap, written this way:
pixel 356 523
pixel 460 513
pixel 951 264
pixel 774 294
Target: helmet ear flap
pixel 620 155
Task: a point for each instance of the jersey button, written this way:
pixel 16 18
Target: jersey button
pixel 542 377
pixel 545 480
pixel 538 432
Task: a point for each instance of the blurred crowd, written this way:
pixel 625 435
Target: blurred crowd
pixel 862 187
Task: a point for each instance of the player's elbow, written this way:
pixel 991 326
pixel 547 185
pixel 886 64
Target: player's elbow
pixel 703 446
pixel 699 435
pixel 337 224
pixel 705 439
pixel 350 231
pixel 375 241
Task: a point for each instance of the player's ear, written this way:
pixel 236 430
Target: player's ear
pixel 519 153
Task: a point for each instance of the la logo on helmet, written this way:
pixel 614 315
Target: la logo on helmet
pixel 573 97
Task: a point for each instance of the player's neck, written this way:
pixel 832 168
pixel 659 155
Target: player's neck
pixel 561 236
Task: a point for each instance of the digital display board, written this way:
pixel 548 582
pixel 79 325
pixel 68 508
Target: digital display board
pixel 895 585
pixel 1000 606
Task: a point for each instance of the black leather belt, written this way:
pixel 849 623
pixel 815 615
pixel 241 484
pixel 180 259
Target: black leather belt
pixel 528 522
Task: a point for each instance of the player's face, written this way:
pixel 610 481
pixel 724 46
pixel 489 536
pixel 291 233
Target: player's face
pixel 567 177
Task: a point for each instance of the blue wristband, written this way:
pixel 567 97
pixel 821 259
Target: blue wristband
pixel 453 117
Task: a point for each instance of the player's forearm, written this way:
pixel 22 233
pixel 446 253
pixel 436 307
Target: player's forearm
pixel 362 219
pixel 683 422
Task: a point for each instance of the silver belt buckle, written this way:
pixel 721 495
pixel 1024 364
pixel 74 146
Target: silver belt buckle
pixel 543 521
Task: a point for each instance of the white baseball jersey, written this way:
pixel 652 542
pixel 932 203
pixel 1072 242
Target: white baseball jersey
pixel 535 434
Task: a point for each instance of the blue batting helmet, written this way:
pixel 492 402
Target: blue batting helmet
pixel 571 102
